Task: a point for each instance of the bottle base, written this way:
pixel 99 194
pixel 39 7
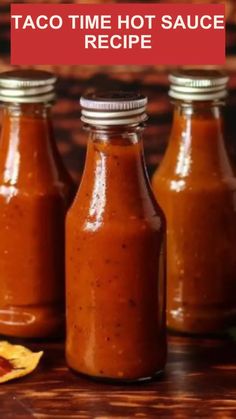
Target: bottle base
pixel 119 381
pixel 200 328
pixel 200 334
pixel 32 322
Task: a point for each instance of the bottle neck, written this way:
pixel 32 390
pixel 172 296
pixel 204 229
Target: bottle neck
pixel 197 138
pixel 118 148
pixel 115 181
pixel 30 109
pixel 112 135
pixel 27 149
pixel 23 121
pixel 196 116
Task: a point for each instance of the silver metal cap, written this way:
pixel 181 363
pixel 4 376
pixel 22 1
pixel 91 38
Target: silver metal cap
pixel 27 86
pixel 194 84
pixel 113 108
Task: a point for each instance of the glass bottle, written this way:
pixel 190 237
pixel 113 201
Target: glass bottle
pixel 196 188
pixel 35 191
pixel 115 272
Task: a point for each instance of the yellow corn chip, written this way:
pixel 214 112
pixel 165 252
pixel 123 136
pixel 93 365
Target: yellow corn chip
pixel 16 361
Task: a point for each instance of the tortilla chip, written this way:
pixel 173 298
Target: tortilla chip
pixel 16 361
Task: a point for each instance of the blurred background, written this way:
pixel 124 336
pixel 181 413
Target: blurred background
pixel 150 80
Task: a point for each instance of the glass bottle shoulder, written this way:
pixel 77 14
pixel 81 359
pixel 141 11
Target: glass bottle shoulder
pixel 115 190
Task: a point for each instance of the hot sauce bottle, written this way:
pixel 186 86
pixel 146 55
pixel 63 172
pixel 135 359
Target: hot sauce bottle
pixel 35 192
pixel 115 271
pixel 196 188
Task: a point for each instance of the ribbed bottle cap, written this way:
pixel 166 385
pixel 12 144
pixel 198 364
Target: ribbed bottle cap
pixel 194 84
pixel 113 108
pixel 27 86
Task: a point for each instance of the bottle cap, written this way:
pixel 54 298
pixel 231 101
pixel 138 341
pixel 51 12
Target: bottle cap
pixel 199 85
pixel 113 108
pixel 27 86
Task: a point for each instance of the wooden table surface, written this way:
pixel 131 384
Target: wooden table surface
pixel 199 382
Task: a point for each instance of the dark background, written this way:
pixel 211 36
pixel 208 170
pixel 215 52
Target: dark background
pixel 151 80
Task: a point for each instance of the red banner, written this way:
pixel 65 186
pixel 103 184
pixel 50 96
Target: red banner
pixel 117 34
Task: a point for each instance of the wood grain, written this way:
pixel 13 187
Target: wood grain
pixel 199 382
